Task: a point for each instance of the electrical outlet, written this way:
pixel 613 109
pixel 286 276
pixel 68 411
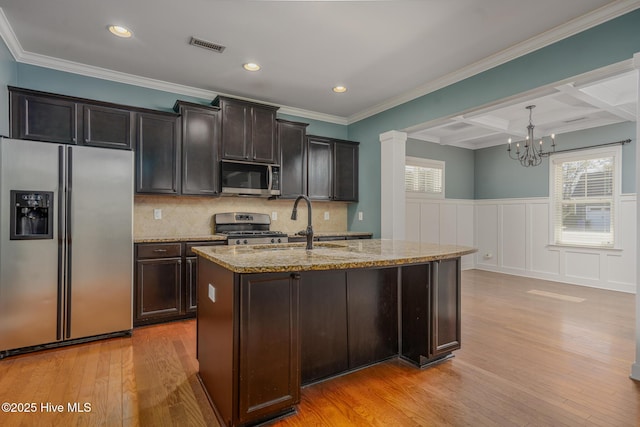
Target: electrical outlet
pixel 212 293
pixel 157 214
pixel 360 216
pixel 274 216
pixel 326 216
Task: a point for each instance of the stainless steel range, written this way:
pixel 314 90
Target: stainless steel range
pixel 244 228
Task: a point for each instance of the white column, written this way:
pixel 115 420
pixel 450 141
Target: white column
pixel 392 198
pixel 635 368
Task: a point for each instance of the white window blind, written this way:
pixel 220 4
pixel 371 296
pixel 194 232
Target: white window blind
pixel 585 188
pixel 424 177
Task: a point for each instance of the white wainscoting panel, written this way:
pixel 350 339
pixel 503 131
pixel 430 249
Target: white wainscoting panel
pixel 412 220
pixel 447 221
pixel 513 233
pixel 512 236
pixel 487 235
pixel 543 260
pixel 582 265
pixel 501 233
pixel 429 222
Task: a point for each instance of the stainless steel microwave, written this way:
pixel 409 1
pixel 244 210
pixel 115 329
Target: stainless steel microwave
pixel 248 178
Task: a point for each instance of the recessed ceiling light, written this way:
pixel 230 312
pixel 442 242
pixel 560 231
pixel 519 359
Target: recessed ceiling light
pixel 251 66
pixel 339 89
pixel 120 31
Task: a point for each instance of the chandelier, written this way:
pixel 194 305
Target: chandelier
pixel 532 153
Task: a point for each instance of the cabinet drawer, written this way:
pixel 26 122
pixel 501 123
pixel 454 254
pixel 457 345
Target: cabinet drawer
pixel 158 250
pixel 188 246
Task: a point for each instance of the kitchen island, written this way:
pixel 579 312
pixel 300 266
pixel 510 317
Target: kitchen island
pixel 274 317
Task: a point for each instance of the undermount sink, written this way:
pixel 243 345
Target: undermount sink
pixel 298 246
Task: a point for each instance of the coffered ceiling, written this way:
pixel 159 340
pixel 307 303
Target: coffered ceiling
pixel 384 52
pixel 564 108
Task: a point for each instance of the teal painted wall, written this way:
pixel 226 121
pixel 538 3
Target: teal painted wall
pixel 498 177
pixel 320 128
pixel 614 41
pixel 61 82
pixel 458 170
pixel 8 76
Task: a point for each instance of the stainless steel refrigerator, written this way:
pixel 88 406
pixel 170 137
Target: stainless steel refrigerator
pixel 66 243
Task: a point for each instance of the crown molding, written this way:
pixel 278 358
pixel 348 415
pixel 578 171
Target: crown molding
pixel 24 57
pixel 547 38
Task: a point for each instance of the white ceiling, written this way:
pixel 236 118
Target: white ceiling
pixel 385 52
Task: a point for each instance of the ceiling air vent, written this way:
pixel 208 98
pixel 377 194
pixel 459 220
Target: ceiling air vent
pixel 207 45
pixel 574 120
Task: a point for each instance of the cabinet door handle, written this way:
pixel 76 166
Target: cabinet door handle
pixel 295 276
pixel 159 250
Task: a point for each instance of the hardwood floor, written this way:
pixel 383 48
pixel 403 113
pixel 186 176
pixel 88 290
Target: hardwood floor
pixel 541 358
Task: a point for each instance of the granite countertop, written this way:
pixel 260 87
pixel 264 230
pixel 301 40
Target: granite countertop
pixel 168 239
pixel 327 256
pixel 214 237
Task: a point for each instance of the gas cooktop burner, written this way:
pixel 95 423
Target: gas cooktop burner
pixel 242 228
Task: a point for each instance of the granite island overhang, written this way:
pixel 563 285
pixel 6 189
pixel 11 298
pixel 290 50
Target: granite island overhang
pixel 274 317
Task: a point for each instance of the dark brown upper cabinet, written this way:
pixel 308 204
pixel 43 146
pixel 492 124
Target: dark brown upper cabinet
pixel 332 169
pixel 62 119
pixel 158 153
pixel 293 158
pixel 108 127
pixel 200 149
pixel 248 131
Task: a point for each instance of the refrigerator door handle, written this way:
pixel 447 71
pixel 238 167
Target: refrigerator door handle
pixel 68 221
pixel 61 234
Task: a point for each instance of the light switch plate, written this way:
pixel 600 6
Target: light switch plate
pixel 326 216
pixel 274 216
pixel 212 293
pixel 360 216
pixel 157 214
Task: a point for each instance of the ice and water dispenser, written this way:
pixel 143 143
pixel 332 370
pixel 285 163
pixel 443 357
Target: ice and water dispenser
pixel 31 215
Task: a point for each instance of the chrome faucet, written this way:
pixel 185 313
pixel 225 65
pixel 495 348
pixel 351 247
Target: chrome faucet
pixel 294 215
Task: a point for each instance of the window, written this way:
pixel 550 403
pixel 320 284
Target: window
pixel 584 194
pixel 424 177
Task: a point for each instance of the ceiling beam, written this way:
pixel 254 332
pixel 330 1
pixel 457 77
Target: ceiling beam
pixel 571 90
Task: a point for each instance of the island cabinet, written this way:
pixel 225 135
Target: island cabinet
pixel 332 169
pixel 48 117
pixel 293 158
pixel 248 343
pixel 200 172
pixel 430 311
pixel 348 319
pixel 273 319
pixel 248 131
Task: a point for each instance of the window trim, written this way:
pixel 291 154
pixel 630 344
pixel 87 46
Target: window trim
pixel 587 153
pixel 426 163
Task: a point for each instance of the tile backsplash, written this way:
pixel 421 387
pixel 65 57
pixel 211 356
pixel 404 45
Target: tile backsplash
pixel 192 216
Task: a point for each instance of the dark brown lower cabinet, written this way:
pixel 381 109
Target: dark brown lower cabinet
pixel 348 319
pixel 323 324
pixel 269 350
pixel 165 281
pixel 430 310
pixel 372 299
pixel 248 345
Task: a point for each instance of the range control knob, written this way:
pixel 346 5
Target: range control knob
pixel 238 242
pixel 279 240
pixel 245 242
